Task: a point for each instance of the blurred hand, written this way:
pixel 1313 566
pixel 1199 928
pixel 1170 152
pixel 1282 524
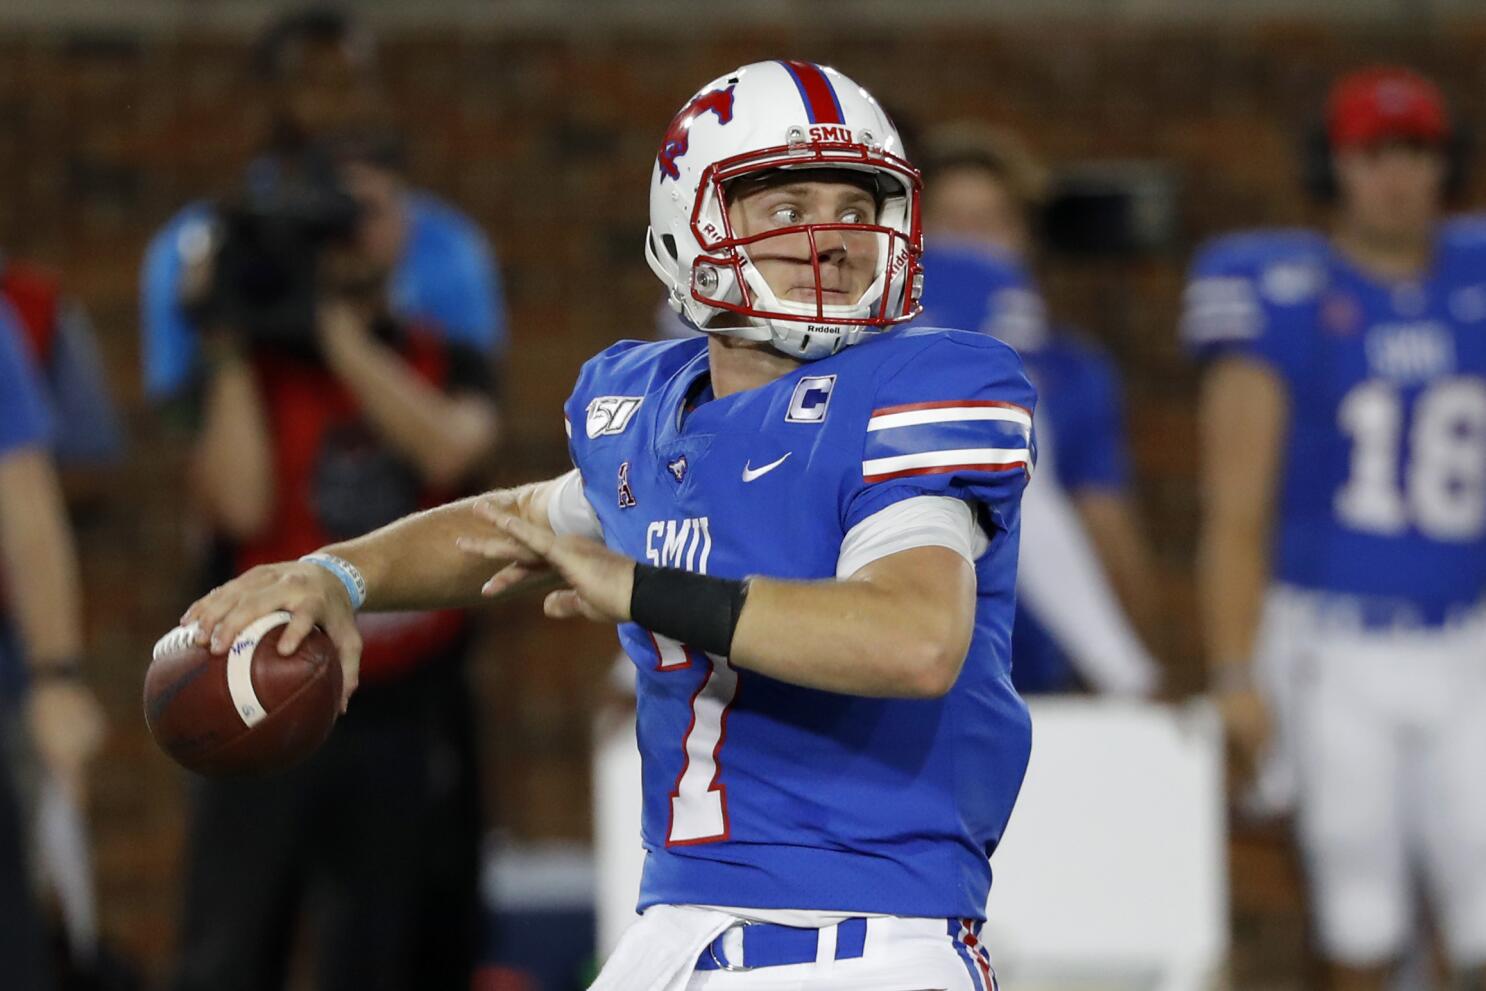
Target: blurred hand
pixel 310 593
pixel 1246 720
pixel 341 325
pixel 199 262
pixel 599 581
pixel 67 728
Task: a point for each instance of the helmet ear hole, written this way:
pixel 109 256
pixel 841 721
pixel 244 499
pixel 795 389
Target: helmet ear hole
pixel 669 240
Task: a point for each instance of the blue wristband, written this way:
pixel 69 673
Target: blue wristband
pixel 348 574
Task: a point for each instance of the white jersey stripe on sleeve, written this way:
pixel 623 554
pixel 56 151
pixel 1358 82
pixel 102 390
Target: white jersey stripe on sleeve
pixel 948 414
pixel 934 462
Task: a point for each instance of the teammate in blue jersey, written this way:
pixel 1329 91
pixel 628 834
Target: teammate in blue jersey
pixel 805 525
pixel 1344 434
pixel 1087 581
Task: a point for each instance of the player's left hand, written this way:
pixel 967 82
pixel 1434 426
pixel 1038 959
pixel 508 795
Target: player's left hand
pixel 599 581
pixel 1247 721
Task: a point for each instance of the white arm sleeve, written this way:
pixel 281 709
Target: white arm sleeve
pixel 568 511
pixel 1060 580
pixel 920 521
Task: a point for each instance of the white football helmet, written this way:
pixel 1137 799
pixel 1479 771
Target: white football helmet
pixel 760 118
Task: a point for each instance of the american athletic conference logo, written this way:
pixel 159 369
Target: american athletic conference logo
pixel 678 135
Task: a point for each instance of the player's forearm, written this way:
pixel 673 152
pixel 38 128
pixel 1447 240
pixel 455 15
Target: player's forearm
pixel 1243 418
pixel 850 637
pixel 416 563
pixel 1114 528
pixel 443 436
pixel 1232 576
pixel 233 462
pixel 40 559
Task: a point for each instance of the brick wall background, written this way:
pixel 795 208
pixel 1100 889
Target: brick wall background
pixel 547 140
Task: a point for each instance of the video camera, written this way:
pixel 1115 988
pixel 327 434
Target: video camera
pixel 270 241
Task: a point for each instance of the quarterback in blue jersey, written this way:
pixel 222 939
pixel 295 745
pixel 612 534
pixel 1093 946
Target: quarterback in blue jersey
pixel 805 525
pixel 1344 428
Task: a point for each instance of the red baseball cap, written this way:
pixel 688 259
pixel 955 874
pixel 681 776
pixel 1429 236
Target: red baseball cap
pixel 1385 102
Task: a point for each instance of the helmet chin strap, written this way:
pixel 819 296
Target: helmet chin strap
pixel 751 331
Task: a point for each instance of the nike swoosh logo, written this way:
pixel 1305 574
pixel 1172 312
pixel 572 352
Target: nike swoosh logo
pixel 750 473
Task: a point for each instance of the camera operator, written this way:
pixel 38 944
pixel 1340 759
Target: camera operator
pixel 329 334
pixel 316 76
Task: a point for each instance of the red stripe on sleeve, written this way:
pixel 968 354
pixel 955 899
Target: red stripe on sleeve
pixel 910 407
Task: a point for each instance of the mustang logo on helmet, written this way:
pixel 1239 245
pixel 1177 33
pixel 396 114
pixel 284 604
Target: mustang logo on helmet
pixel 678 135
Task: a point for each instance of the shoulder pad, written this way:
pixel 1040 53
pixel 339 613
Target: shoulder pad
pixel 933 359
pixel 1284 267
pixel 442 219
pixel 1257 248
pixel 1465 231
pixel 635 367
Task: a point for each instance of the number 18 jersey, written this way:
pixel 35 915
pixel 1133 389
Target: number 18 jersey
pixel 1383 498
pixel 766 795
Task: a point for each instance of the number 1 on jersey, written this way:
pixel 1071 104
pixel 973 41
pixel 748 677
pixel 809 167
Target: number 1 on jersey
pixel 699 811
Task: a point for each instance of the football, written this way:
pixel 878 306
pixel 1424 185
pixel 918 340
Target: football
pixel 248 711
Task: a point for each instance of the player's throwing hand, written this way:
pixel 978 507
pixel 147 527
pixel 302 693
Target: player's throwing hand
pixel 313 595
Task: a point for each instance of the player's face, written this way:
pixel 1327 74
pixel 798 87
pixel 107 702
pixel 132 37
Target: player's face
pixel 970 203
pixel 848 259
pixel 1391 190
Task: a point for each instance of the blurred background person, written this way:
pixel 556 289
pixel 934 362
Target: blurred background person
pixel 1342 566
pixel 59 711
pixel 86 445
pixel 1087 584
pixel 331 336
pixel 316 79
pixel 87 438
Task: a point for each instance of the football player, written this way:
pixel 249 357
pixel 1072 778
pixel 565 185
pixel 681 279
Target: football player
pixel 805 525
pixel 1086 557
pixel 1343 421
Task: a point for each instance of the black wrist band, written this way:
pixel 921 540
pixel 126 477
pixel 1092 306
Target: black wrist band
pixel 697 610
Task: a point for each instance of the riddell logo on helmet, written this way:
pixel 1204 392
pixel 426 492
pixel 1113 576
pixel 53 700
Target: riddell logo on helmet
pixel 678 135
pixel 896 262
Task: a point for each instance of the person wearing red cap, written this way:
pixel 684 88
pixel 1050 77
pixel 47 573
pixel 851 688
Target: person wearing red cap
pixel 1342 564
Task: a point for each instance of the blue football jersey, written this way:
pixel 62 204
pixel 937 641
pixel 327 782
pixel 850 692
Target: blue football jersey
pixel 1383 498
pixel 1080 415
pixel 973 287
pixel 762 794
